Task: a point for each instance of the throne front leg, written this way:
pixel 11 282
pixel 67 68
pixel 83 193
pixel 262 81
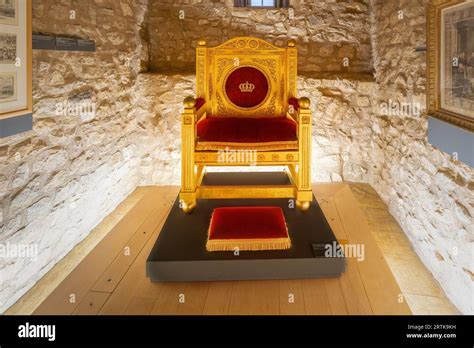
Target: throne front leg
pixel 188 201
pixel 304 194
pixel 187 195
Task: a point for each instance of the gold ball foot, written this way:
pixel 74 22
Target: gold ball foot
pixel 188 207
pixel 303 206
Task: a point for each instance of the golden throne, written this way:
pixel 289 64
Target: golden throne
pixel 246 101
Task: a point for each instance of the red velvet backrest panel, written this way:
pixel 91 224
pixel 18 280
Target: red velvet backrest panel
pixel 246 87
pixel 246 77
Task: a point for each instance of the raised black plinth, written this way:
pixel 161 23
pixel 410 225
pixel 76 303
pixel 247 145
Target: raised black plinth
pixel 180 252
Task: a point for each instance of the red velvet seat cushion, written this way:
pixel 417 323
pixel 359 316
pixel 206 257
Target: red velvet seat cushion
pixel 246 130
pixel 248 223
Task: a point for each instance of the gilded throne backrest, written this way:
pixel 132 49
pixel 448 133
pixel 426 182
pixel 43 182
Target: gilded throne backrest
pixel 246 77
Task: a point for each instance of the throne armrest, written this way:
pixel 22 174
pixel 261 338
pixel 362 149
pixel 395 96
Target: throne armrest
pixel 298 108
pixel 304 103
pixel 304 119
pixel 304 111
pixel 194 110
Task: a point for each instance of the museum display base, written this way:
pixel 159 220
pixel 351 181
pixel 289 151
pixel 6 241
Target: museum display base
pixel 180 254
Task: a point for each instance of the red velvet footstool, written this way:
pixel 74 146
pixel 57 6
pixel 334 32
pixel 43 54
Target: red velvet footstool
pixel 248 228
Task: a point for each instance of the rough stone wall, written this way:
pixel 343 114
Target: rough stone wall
pixel 342 134
pixel 59 181
pixel 428 192
pixel 326 31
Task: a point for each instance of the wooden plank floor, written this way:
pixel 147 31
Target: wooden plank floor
pixel 109 278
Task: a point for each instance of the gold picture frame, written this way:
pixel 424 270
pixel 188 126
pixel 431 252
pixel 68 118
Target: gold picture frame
pixel 450 80
pixel 20 69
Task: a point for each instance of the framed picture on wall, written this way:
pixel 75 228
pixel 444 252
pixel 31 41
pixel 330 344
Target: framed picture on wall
pixel 450 61
pixel 15 58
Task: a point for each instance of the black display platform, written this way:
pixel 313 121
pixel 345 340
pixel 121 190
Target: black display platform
pixel 180 252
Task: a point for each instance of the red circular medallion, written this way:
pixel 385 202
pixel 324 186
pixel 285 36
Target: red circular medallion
pixel 246 87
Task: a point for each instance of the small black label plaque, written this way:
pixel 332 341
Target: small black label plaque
pixel 66 44
pixel 85 45
pixel 51 42
pixel 44 42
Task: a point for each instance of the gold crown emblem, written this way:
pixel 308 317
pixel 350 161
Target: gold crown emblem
pixel 247 87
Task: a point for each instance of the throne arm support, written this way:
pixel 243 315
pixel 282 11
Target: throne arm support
pixel 189 118
pixel 303 115
pixel 194 110
pixel 296 105
pixel 304 120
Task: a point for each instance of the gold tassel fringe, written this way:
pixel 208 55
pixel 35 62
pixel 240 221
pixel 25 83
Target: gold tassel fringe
pixel 270 146
pixel 248 244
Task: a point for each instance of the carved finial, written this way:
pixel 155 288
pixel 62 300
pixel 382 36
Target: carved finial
pixel 291 43
pixel 202 42
pixel 304 103
pixel 189 102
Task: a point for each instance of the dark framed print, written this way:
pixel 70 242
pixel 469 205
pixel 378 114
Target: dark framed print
pixel 9 12
pixel 450 61
pixel 8 87
pixel 15 58
pixel 8 51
